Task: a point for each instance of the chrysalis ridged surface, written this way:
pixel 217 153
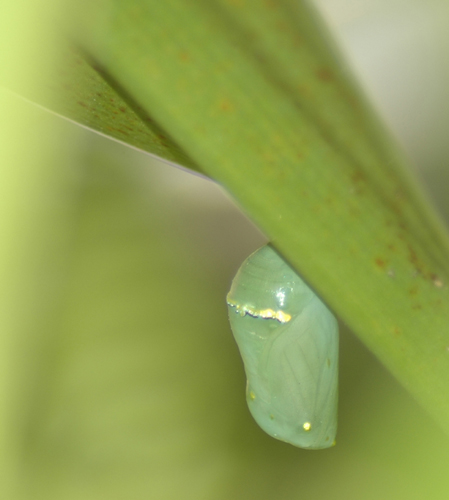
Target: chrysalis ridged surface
pixel 288 340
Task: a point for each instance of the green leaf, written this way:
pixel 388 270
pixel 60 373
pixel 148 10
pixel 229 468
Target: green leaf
pixel 118 369
pixel 253 94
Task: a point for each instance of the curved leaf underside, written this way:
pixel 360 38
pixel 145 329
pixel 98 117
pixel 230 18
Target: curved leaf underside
pixel 79 89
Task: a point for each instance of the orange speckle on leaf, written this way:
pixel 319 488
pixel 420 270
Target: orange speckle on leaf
pixel 184 56
pixel 436 281
pixel 325 74
pixel 380 263
pixel 226 105
pixel 282 26
pixel 357 177
pixel 271 4
pixel 304 90
pixel 414 260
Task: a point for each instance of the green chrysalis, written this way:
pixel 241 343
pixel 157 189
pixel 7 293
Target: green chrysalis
pixel 288 341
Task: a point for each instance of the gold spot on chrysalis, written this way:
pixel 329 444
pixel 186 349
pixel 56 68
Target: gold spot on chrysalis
pixel 307 426
pixel 252 396
pixel 244 310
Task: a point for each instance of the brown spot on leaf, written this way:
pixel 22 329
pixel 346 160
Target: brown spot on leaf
pixel 226 105
pixel 436 281
pixel 282 26
pixel 413 258
pixel 325 74
pixel 271 4
pixel 184 56
pixel 380 263
pixel 357 177
pixel 304 90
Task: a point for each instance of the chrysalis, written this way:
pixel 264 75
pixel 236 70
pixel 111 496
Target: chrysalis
pixel 288 340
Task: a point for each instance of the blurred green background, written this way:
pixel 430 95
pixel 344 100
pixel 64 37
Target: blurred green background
pixel 124 381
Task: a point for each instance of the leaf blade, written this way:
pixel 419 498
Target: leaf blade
pixel 348 217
